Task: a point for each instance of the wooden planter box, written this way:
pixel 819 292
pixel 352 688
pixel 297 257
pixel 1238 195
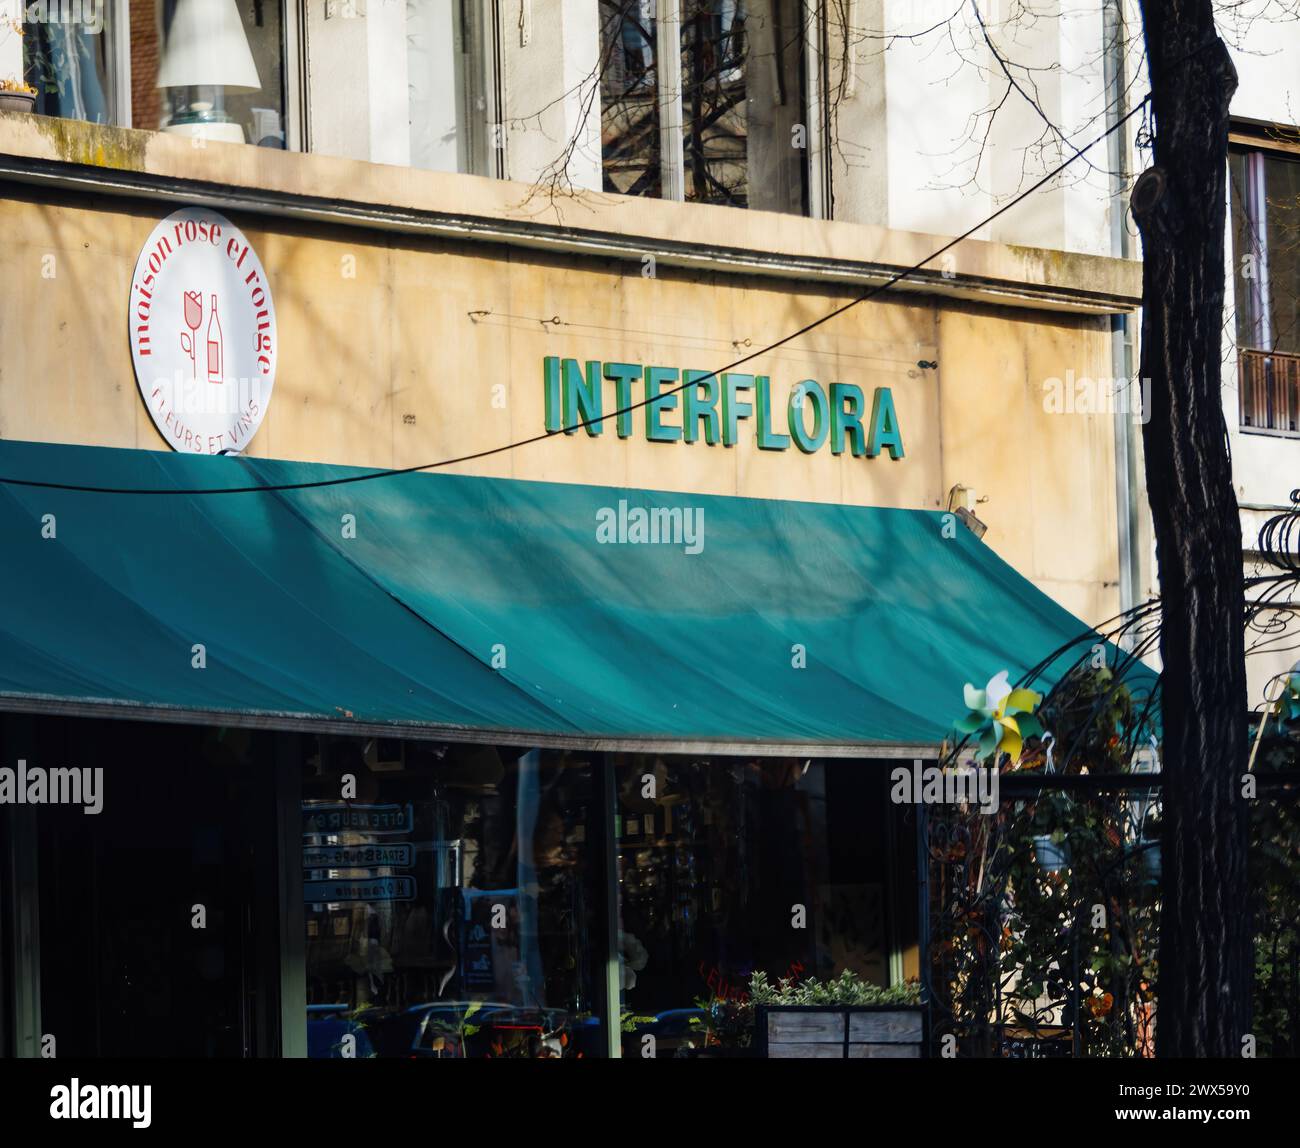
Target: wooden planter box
pixel 805 1032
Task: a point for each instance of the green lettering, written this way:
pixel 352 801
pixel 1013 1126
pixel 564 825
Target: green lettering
pixel 582 397
pixel 657 404
pixel 733 410
pixel 623 376
pixel 847 405
pixel 551 384
pixel 700 404
pixel 885 432
pixel 812 393
pixel 767 439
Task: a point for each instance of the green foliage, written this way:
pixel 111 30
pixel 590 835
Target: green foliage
pixel 1274 862
pixel 846 989
pixel 1094 721
pixel 726 1023
pixel 1020 942
pixel 630 1022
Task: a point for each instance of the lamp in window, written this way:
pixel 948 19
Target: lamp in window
pixel 207 53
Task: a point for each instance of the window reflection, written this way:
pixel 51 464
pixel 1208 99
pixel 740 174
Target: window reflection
pixel 449 901
pixel 209 68
pixel 728 867
pixel 629 98
pixel 67 63
pixel 742 103
pixel 738 97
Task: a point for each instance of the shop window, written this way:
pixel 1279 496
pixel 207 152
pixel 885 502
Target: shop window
pixel 729 867
pixel 719 120
pixel 1265 195
pixel 453 905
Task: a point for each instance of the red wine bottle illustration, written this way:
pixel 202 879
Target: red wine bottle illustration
pixel 215 374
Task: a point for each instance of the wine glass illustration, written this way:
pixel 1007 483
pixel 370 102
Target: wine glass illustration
pixel 193 320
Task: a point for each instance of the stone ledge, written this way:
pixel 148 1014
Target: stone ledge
pixel 156 165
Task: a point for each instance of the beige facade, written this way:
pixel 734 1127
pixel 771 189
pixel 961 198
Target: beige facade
pixel 415 310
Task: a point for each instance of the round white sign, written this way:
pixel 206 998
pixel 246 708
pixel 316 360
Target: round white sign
pixel 202 329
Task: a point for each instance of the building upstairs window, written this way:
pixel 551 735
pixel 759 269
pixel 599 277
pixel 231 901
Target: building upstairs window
pixel 1265 196
pixel 703 101
pixel 629 98
pixel 213 69
pixel 209 68
pixel 406 82
pixel 67 59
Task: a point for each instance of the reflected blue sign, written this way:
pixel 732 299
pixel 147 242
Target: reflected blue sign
pixel 398 854
pixel 346 817
pixel 359 889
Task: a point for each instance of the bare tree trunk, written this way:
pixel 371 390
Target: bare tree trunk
pixel 1203 984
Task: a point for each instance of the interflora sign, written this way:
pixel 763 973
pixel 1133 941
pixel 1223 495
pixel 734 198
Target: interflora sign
pixel 202 329
pixel 689 405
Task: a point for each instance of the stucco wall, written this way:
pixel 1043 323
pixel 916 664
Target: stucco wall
pixel 390 368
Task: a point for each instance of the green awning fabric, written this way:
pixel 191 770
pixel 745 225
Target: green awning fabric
pixel 490 606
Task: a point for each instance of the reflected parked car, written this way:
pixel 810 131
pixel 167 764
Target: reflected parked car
pixel 469 1029
pixel 672 1029
pixel 327 1025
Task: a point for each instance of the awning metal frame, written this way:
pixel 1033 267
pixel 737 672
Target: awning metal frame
pixel 469 735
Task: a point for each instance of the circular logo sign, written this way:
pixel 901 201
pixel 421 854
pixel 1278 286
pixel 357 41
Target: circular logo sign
pixel 202 327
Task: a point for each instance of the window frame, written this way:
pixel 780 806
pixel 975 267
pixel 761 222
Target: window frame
pixel 293 53
pixel 1256 144
pixel 672 137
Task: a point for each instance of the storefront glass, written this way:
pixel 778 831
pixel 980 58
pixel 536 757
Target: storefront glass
pixel 456 905
pixel 729 867
pixel 452 902
pixel 458 901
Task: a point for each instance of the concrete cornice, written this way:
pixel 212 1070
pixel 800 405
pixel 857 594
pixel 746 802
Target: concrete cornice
pixel 157 166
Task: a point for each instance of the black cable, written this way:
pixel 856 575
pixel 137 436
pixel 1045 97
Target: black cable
pixel 870 293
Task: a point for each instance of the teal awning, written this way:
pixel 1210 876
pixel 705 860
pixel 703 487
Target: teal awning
pixel 489 608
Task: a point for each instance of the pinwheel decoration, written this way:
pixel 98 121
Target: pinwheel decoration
pixel 1001 718
pixel 1287 706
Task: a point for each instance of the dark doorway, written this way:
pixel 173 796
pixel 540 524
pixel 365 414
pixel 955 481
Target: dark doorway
pixel 158 921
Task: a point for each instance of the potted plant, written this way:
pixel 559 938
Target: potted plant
pixel 1147 851
pixel 1052 814
pixel 722 1028
pixel 846 1017
pixel 1052 851
pixel 16 95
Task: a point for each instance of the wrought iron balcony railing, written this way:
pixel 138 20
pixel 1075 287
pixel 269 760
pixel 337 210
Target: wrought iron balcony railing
pixel 1269 386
